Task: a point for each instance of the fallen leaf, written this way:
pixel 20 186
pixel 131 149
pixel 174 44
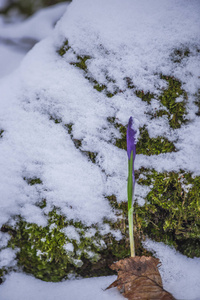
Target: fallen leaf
pixel 139 279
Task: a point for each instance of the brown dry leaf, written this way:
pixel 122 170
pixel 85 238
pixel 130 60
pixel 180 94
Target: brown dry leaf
pixel 139 279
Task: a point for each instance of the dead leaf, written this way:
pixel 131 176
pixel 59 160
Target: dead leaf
pixel 139 279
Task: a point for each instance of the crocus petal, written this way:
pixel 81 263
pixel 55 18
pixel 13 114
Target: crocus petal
pixel 131 139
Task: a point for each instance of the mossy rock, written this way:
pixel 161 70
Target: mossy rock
pixel 169 97
pixel 81 63
pixel 171 213
pixel 64 247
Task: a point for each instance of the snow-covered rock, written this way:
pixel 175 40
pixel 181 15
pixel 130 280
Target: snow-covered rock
pixel 63 120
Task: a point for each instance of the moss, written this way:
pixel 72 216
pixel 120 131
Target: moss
pixel 139 93
pixel 81 64
pixel 103 88
pixel 51 253
pixel 171 212
pixel 69 128
pixel 1 276
pixel 177 110
pixel 144 96
pixel 99 87
pixel 55 119
pixel 145 144
pixel 78 143
pixel 149 146
pixel 64 48
pixel 33 181
pixel 1 133
pixel 179 54
pixel 110 95
pixel 129 83
pixel 197 102
pixel 159 113
pixel 45 252
pixel 90 155
pixel 42 204
pixel 81 59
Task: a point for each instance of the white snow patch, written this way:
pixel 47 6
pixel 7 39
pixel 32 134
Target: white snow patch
pixel 180 274
pixel 7 257
pixel 71 233
pixel 20 286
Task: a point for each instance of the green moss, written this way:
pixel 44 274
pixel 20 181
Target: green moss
pixel 55 119
pixel 179 54
pixel 81 64
pixel 110 95
pixel 150 146
pixel 43 251
pixel 144 96
pixel 159 113
pixel 103 88
pixel 197 102
pixel 1 133
pixel 64 48
pixel 69 128
pixel 1 276
pixel 33 181
pixel 171 212
pixel 139 93
pixel 99 87
pixel 78 143
pixel 177 110
pixel 42 204
pixel 90 155
pixel 129 83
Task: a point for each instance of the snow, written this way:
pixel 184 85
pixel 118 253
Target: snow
pixel 20 286
pixel 7 258
pixel 10 59
pixel 129 38
pixel 16 38
pixel 179 273
pixel 35 27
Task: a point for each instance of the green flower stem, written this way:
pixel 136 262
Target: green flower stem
pixel 130 204
pixel 131 236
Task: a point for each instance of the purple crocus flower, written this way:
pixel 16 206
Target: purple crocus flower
pixel 131 139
